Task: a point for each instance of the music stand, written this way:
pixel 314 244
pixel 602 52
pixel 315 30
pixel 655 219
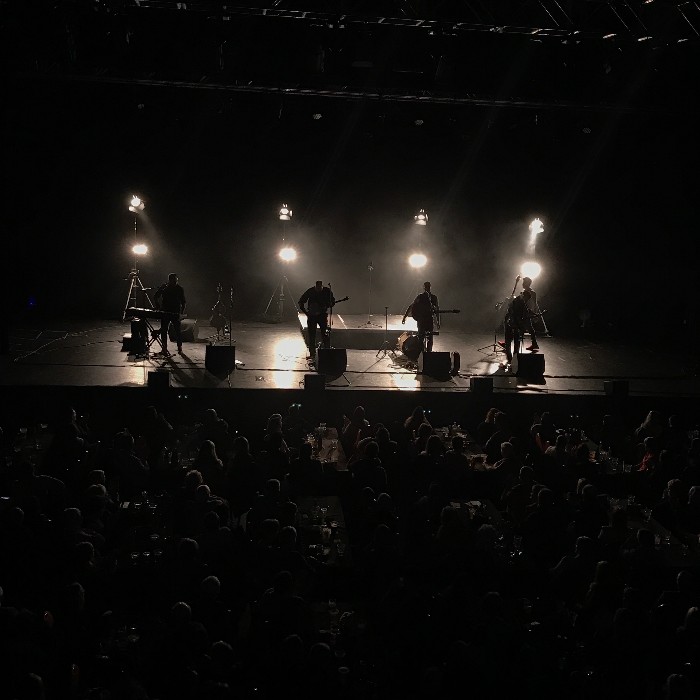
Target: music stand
pixel 386 348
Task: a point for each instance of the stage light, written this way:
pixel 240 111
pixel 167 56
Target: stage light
pixel 288 254
pixel 140 249
pixel 531 270
pixel 421 218
pixel 136 204
pixel 417 260
pixel 285 213
pixel 536 226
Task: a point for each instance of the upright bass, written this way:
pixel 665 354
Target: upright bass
pixel 218 319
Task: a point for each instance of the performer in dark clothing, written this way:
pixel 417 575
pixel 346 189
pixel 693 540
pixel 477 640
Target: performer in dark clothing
pixel 315 303
pixel 423 309
pixel 516 323
pixel 170 297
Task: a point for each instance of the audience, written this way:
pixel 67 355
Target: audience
pixel 540 570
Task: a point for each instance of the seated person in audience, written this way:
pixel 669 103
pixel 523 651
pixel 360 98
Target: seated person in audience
pixel 499 435
pixel 274 459
pixel 548 431
pixel 414 421
pixel 589 515
pixel 508 466
pixel 684 595
pixel 355 428
pixel 215 429
pixel 572 575
pixel 132 472
pixel 306 472
pixel 418 444
pixel 50 492
pixel 243 478
pixel 558 452
pixel 613 537
pixel 486 428
pixel 690 516
pixel 207 462
pixel 651 455
pixel 267 505
pixel 295 427
pixel 652 426
pixel 429 465
pixel 671 511
pixel 642 560
pixel 283 610
pixel 458 468
pixel 368 471
pixel 544 530
pixel 274 427
pixel 518 496
pixel 156 431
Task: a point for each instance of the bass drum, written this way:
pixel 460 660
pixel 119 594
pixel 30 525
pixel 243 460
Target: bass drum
pixel 410 345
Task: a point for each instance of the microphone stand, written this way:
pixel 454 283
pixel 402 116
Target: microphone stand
pixel 370 268
pixel 330 317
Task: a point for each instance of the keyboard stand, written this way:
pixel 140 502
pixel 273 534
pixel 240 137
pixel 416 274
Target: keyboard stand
pixel 152 337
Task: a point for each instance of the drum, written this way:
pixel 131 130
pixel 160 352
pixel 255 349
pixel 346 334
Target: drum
pixel 410 345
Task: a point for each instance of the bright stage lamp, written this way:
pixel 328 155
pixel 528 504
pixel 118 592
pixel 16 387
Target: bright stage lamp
pixel 421 218
pixel 417 260
pixel 531 270
pixel 288 254
pixel 136 204
pixel 536 226
pixel 140 249
pixel 285 213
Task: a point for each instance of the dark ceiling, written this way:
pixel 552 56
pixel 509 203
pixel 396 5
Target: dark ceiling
pixel 605 54
pixel 485 113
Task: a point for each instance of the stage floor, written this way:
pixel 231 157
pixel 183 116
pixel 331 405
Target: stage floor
pixel 274 356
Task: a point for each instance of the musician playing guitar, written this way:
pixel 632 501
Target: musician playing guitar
pixel 533 308
pixel 170 297
pixel 315 303
pixel 424 309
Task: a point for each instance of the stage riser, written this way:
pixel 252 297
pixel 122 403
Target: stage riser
pixel 358 339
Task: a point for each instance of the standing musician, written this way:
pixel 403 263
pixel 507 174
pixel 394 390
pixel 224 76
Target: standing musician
pixel 517 322
pixel 424 308
pixel 170 297
pixel 319 299
pixel 533 310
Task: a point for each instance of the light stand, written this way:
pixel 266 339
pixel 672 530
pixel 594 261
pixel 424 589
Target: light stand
pixel 287 254
pixel 136 205
pixel 278 297
pixel 386 348
pixel 134 284
pixel 370 268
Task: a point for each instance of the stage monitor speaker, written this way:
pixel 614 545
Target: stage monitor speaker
pixel 616 387
pixel 314 382
pixel 189 331
pixel 159 380
pixel 435 364
pixel 481 385
pixel 220 360
pixel 331 361
pixel 530 365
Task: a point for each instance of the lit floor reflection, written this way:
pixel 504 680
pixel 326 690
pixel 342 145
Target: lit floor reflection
pixel 407 381
pixel 290 354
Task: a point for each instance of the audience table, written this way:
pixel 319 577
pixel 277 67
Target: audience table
pixel 322 530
